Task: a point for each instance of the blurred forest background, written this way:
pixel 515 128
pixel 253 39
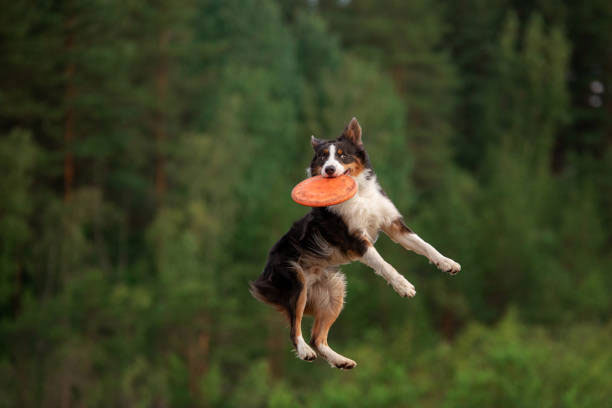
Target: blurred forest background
pixel 148 151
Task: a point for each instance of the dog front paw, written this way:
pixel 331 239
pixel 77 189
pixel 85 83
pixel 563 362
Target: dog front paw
pixel 403 287
pixel 448 265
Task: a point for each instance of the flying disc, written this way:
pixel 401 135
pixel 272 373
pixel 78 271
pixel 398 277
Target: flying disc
pixel 319 191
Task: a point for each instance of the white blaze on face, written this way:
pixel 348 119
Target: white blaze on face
pixel 331 162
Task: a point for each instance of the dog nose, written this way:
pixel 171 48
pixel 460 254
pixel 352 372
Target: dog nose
pixel 330 170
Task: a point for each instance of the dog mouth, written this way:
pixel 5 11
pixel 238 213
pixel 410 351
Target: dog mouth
pixel 347 172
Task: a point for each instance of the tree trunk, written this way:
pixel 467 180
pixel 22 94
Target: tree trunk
pixel 69 114
pixel 197 363
pixel 159 127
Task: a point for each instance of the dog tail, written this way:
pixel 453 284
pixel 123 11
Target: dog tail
pixel 262 290
pixel 265 291
pixel 279 286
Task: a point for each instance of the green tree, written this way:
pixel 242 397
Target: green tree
pixel 405 38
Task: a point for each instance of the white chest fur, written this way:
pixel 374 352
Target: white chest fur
pixel 368 210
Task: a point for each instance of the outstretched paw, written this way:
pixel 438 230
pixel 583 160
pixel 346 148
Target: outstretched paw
pixel 448 265
pixel 403 287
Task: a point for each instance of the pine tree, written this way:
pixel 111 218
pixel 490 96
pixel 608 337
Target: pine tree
pixel 404 38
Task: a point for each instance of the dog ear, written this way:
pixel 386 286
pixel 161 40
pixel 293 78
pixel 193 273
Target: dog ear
pixel 352 132
pixel 315 142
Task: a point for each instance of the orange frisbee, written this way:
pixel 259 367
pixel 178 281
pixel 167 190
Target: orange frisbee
pixel 319 191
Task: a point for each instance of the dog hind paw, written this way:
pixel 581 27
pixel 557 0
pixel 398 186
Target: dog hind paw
pixel 334 359
pixel 304 352
pixel 339 361
pixel 344 364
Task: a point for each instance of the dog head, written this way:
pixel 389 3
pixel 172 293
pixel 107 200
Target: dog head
pixel 344 155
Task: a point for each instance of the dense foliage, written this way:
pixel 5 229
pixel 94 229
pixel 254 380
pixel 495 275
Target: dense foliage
pixel 147 155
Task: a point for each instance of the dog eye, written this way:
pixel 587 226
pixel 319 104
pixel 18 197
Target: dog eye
pixel 344 157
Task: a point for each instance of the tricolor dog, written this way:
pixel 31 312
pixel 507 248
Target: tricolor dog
pixel 302 274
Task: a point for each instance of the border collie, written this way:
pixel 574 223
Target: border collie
pixel 302 274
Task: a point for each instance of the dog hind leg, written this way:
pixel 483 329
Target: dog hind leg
pixel 296 312
pixel 283 287
pixel 325 302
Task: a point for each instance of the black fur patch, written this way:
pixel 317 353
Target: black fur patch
pixel 279 283
pixel 369 175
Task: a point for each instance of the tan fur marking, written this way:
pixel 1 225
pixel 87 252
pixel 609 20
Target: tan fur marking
pixel 325 302
pixel 396 229
pixel 301 302
pixel 356 167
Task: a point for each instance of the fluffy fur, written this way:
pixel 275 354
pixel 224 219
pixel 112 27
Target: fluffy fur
pixel 302 274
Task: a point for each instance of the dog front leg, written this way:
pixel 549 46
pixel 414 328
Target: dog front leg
pixel 401 234
pixel 372 258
